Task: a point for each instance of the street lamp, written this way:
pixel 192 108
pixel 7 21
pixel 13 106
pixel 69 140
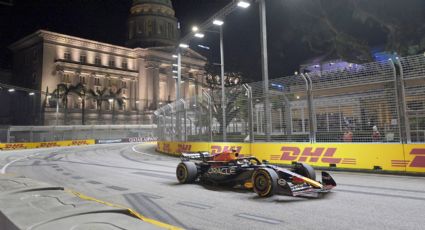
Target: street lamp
pixel 223 93
pixel 199 35
pixel 215 20
pixel 243 4
pixel 183 45
pixel 218 22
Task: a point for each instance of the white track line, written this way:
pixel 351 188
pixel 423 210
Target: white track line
pixel 3 170
pixel 134 149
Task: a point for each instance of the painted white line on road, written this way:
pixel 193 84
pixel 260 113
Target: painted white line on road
pixel 3 170
pixel 135 150
pixel 258 218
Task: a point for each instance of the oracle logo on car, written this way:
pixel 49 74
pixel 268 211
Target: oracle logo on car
pixel 183 148
pixel 417 162
pixel 222 171
pixel 219 149
pixel 313 155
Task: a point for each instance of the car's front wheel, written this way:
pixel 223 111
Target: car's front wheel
pixel 186 172
pixel 265 182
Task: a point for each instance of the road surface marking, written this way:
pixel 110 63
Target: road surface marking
pixel 134 149
pixel 258 218
pixel 194 205
pixel 3 170
pixel 131 211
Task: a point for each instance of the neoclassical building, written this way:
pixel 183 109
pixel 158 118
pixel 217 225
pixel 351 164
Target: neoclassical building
pixel 123 84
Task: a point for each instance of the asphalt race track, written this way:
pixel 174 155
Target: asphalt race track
pixel 138 177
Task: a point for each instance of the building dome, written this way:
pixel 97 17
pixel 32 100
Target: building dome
pixel 152 23
pixel 164 2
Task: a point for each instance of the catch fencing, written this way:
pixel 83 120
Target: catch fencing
pixel 374 102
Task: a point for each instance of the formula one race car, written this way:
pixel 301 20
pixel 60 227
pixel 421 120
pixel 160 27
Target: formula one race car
pixel 265 179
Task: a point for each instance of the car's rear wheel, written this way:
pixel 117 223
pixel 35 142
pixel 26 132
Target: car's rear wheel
pixel 265 182
pixel 305 170
pixel 186 172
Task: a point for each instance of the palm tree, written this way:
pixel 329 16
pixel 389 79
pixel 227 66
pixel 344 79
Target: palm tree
pixel 99 96
pixel 61 92
pixel 118 98
pixel 80 90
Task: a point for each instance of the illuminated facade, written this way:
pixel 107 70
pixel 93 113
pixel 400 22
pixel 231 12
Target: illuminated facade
pixel 142 75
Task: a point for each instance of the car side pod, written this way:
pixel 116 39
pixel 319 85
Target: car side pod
pixel 327 181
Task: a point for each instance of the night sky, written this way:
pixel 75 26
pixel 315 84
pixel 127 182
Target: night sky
pixel 106 21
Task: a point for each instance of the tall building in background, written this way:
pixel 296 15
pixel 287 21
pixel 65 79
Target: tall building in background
pixel 129 82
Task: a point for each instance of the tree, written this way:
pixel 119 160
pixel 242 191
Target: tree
pixel 81 91
pixel 350 29
pixel 234 94
pixel 99 96
pixel 116 97
pixel 235 98
pixel 61 93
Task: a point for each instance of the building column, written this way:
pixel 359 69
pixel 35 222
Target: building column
pixel 142 89
pixel 152 75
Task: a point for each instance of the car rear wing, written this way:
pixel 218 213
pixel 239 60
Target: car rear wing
pixel 195 156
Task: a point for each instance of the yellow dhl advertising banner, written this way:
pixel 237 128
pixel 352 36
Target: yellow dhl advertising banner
pixel 390 157
pixel 35 145
pixel 355 156
pixel 414 160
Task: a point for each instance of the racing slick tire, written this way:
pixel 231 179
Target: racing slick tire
pixel 264 182
pixel 186 172
pixel 305 170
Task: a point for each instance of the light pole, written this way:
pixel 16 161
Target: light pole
pixel 223 93
pixel 137 110
pixel 179 69
pixel 215 20
pixel 111 102
pixel 179 74
pixel 265 67
pixel 218 22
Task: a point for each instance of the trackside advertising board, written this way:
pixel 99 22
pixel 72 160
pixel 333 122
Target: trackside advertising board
pixel 125 140
pixel 35 145
pixel 390 157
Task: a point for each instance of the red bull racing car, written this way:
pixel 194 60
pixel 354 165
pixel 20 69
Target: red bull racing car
pixel 265 179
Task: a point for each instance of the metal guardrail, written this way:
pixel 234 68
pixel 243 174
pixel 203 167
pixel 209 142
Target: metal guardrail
pixel 372 102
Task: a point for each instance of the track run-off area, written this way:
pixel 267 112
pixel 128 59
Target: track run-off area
pixel 137 177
